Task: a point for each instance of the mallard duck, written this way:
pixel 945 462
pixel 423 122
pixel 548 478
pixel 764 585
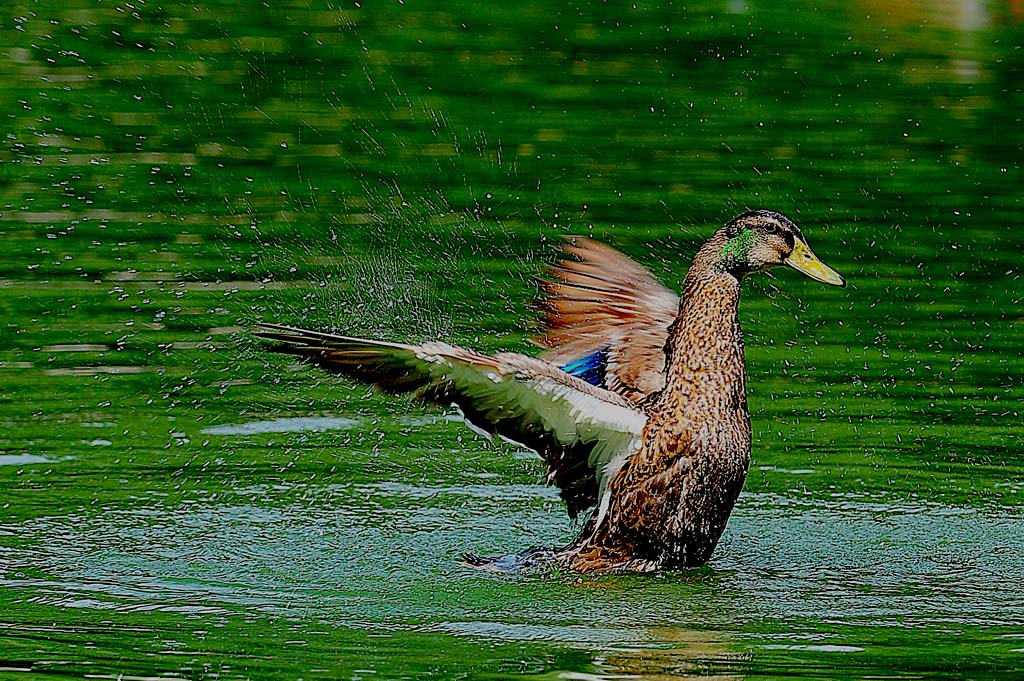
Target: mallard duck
pixel 638 408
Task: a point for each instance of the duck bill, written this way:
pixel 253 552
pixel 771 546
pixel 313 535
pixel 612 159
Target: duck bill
pixel 802 259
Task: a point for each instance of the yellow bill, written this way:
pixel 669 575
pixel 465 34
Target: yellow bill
pixel 802 259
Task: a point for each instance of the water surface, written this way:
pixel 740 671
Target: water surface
pixel 178 503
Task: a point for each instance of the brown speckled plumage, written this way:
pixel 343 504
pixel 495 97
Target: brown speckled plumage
pixel 661 446
pixel 671 500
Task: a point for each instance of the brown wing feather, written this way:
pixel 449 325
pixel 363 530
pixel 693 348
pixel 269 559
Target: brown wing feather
pixel 603 300
pixel 520 398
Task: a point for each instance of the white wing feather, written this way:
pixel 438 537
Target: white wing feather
pixel 583 432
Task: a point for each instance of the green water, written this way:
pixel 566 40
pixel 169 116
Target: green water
pixel 176 503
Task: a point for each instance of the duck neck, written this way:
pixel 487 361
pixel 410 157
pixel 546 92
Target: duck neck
pixel 705 346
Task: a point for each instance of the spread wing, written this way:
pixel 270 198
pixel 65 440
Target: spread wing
pixel 584 433
pixel 606 320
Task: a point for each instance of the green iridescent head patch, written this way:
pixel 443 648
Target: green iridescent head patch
pixel 738 247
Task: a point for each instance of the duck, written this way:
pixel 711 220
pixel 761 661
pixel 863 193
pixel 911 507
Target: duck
pixel 637 406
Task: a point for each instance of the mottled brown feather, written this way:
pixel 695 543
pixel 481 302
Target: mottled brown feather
pixel 670 501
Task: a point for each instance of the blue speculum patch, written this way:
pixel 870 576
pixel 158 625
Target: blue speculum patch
pixel 590 368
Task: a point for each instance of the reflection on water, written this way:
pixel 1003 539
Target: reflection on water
pixel 299 424
pixel 24 459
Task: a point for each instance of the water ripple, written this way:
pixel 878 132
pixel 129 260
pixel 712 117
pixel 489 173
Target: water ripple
pixel 300 424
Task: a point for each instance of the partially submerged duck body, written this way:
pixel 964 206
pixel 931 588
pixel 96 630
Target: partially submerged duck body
pixel 638 410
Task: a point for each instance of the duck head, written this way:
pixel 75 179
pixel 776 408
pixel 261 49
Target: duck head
pixel 762 239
